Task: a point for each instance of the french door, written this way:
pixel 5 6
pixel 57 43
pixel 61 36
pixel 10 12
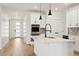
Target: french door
pixel 17 28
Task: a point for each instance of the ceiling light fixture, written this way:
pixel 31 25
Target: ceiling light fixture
pixel 56 9
pixel 40 13
pixel 49 13
pixel 35 7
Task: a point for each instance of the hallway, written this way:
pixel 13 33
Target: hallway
pixel 17 47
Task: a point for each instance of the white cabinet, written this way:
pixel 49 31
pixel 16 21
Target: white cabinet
pixel 68 18
pixel 78 16
pixel 35 19
pixel 53 47
pixel 42 22
pixel 72 17
pixel 72 20
pixel 76 38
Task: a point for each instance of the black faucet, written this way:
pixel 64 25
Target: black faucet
pixel 47 30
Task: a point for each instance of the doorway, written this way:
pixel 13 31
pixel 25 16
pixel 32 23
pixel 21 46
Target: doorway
pixel 17 28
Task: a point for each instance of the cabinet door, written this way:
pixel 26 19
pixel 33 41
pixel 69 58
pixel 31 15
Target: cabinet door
pixel 35 18
pixel 76 44
pixel 68 18
pixel 78 17
pixel 74 17
pixel 42 22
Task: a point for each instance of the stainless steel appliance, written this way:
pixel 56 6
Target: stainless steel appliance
pixel 35 29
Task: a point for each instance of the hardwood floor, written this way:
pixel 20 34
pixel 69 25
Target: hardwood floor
pixel 17 47
pixel 76 53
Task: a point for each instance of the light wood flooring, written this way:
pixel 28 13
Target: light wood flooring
pixel 17 47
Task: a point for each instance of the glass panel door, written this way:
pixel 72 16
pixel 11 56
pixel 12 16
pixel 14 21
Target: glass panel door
pixel 18 29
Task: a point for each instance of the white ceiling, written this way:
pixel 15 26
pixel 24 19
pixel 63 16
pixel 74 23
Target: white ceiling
pixel 36 6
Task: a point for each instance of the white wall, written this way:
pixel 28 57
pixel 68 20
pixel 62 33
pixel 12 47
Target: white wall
pixel 58 22
pixel 3 19
pixel 28 35
pixel 16 16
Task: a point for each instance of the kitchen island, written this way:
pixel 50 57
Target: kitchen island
pixel 53 46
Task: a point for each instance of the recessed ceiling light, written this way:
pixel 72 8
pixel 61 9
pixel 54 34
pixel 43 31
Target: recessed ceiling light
pixel 35 7
pixel 56 8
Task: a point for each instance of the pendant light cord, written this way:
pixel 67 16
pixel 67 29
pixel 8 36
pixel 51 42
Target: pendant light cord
pixel 49 6
pixel 40 9
pixel 40 12
pixel 49 13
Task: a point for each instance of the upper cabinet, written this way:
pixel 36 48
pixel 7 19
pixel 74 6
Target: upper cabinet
pixel 68 18
pixel 78 16
pixel 35 19
pixel 72 17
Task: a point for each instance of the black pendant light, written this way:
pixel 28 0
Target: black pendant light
pixel 40 17
pixel 40 13
pixel 49 13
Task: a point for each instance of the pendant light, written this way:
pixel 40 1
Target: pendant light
pixel 40 13
pixel 49 13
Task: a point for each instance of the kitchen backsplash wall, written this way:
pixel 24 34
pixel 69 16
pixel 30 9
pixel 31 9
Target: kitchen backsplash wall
pixel 73 31
pixel 42 30
pixel 58 23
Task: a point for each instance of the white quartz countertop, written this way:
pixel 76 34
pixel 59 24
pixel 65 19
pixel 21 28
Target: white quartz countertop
pixel 50 40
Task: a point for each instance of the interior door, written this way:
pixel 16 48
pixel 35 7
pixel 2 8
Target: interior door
pixel 17 28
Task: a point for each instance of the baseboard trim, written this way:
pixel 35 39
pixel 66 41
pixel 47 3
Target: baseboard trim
pixel 77 52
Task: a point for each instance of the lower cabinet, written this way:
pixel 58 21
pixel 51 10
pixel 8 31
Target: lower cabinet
pixel 77 44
